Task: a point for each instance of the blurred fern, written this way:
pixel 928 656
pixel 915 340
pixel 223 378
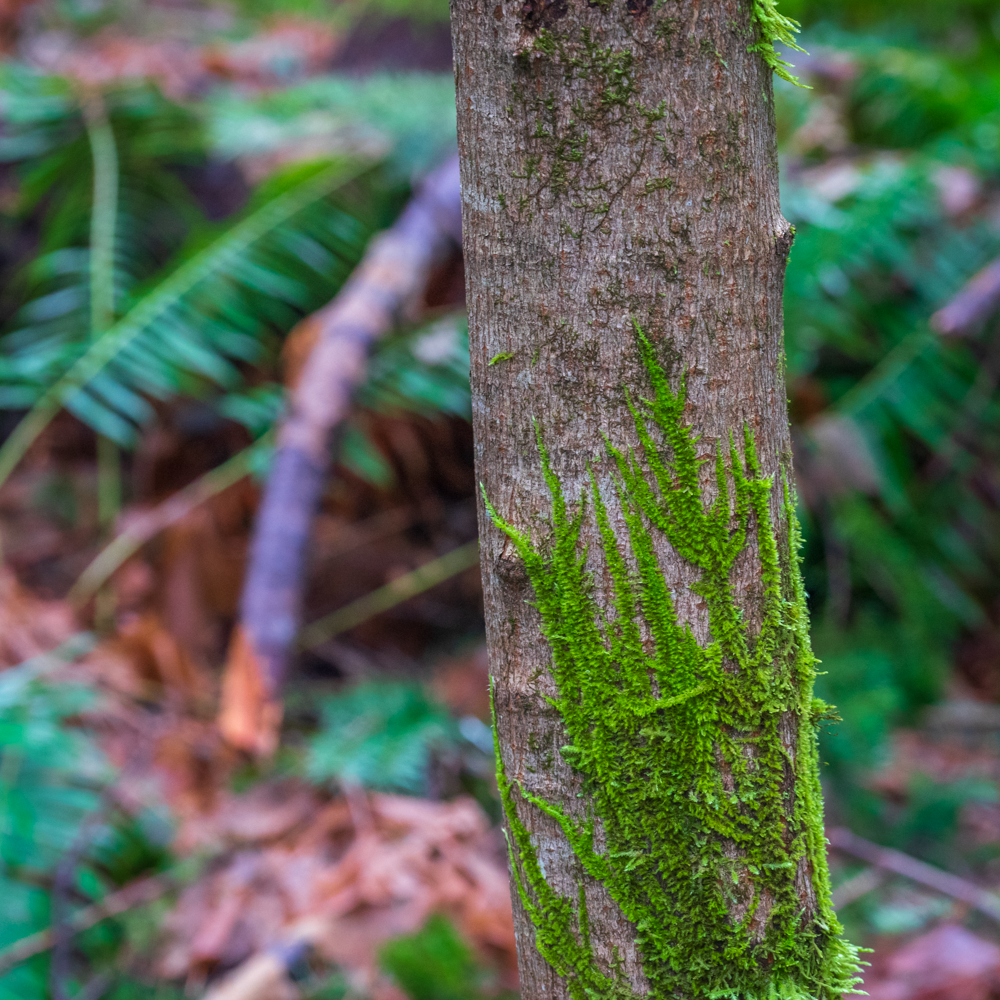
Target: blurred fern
pixel 136 297
pixel 197 302
pixel 379 734
pixel 53 779
pixel 898 437
pixel 50 781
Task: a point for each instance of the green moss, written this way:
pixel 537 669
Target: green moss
pixel 604 102
pixel 658 184
pixel 498 358
pixel 705 811
pixel 775 27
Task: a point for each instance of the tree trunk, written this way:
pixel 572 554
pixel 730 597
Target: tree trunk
pixel 648 636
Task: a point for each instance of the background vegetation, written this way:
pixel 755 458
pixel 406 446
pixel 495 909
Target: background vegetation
pixel 166 221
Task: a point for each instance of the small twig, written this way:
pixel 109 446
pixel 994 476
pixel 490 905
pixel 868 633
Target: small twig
pixel 268 973
pixel 135 894
pixel 96 987
pixel 150 523
pixel 899 863
pixel 62 884
pixel 864 882
pixel 399 590
pixel 979 297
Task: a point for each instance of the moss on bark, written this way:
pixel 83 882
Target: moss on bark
pixel 702 810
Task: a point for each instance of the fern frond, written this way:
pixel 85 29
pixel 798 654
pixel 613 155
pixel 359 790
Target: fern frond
pixel 157 325
pixel 103 216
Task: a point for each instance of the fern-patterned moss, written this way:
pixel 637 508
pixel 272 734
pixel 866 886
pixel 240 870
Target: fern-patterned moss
pixel 654 720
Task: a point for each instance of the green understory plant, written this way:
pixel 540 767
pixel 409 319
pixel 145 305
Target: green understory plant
pixel 652 718
pixel 434 963
pixel 897 428
pixel 53 805
pixel 137 298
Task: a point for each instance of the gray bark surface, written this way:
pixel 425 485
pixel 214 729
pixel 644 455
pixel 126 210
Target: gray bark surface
pixel 618 161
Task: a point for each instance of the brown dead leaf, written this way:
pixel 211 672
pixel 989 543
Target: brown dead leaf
pixel 11 12
pixel 290 48
pixel 201 563
pixel 464 685
pixel 145 660
pixel 111 58
pixel 248 718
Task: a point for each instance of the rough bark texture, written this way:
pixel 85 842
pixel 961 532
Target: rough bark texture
pixel 619 167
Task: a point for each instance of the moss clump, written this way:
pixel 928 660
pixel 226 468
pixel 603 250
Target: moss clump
pixel 775 27
pixel 706 811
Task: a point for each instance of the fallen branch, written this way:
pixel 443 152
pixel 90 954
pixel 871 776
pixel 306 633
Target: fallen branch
pixel 388 280
pixel 899 863
pixel 249 718
pixel 396 592
pixel 138 893
pixel 146 525
pixel 977 300
pixel 866 881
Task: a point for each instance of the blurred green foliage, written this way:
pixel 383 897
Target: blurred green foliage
pixel 379 734
pixel 890 166
pixel 53 786
pixel 897 429
pixel 409 118
pixel 433 964
pixel 201 300
pixel 966 28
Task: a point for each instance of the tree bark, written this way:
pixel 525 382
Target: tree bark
pixel 621 221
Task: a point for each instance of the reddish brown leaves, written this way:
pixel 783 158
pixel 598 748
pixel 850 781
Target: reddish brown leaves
pixel 28 624
pixel 248 718
pixel 344 875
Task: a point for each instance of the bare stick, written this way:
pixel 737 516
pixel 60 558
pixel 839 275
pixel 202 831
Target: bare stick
pixel 137 893
pixel 146 525
pixel 390 277
pixel 264 973
pixel 399 590
pixel 917 871
pixel 979 297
